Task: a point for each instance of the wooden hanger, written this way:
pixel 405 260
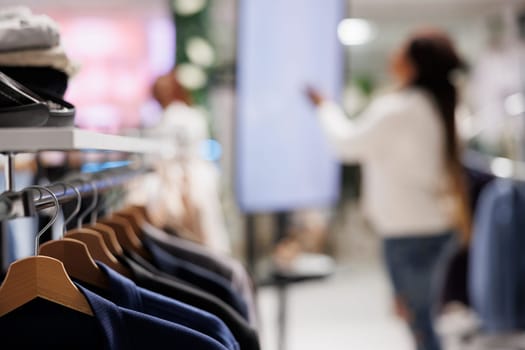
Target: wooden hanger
pixel 77 261
pixel 98 249
pixel 126 236
pixel 108 235
pixel 134 217
pixel 74 254
pixel 40 277
pixel 105 231
pixel 142 210
pixel 100 239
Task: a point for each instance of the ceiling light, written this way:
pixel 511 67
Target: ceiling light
pixel 200 52
pixel 355 31
pixel 502 167
pixel 188 7
pixel 190 76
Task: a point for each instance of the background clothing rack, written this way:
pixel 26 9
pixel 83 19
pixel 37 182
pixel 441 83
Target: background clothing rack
pixel 501 167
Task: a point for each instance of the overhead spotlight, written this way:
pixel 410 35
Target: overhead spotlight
pixel 190 76
pixel 200 52
pixel 188 7
pixel 355 31
pixel 502 167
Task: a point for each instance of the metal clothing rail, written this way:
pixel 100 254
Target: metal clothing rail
pixel 498 166
pixel 24 203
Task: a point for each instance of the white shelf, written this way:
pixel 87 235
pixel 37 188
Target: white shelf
pixel 21 140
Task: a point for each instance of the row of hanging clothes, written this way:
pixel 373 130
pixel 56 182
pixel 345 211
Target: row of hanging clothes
pixel 497 263
pixel 488 276
pixel 115 280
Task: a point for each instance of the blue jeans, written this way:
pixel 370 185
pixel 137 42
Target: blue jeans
pixel 416 267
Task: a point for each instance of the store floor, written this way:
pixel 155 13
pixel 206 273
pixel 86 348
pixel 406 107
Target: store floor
pixel 352 310
pixel 349 310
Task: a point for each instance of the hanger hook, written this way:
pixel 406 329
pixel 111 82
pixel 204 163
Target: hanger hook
pixel 77 207
pixel 53 218
pixel 109 200
pixel 102 201
pixel 92 205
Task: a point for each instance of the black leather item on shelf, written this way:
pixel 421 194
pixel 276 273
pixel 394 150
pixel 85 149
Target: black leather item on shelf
pixel 61 113
pixel 44 78
pixel 22 107
pixel 29 115
pixel 19 107
pixel 12 93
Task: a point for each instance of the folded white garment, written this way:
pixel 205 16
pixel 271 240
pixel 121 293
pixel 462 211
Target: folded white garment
pixel 54 57
pixel 28 32
pixel 14 12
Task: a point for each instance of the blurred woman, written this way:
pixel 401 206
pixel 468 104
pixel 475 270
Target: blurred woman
pixel 415 193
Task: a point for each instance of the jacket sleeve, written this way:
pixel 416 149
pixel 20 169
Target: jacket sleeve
pixel 355 140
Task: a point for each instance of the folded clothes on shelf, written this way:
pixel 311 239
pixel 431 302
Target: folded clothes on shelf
pixel 54 57
pixel 34 71
pixel 10 12
pixel 28 32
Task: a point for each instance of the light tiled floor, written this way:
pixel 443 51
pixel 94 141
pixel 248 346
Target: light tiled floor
pixel 350 310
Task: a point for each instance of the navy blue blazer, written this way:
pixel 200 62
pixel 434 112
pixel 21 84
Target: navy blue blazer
pixel 147 276
pixel 41 324
pixel 125 293
pixel 197 276
pixel 497 263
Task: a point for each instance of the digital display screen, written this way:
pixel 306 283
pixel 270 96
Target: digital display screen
pixel 283 159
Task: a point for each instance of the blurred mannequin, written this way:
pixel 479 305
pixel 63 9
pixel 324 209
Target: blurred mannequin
pixel 184 197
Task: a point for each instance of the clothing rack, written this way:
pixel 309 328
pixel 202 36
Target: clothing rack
pixel 15 204
pixel 501 167
pixel 213 311
pixel 30 140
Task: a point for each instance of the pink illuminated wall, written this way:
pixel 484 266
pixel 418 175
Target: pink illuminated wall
pixel 119 55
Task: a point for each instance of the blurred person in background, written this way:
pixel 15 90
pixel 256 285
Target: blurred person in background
pixel 414 188
pixel 184 195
